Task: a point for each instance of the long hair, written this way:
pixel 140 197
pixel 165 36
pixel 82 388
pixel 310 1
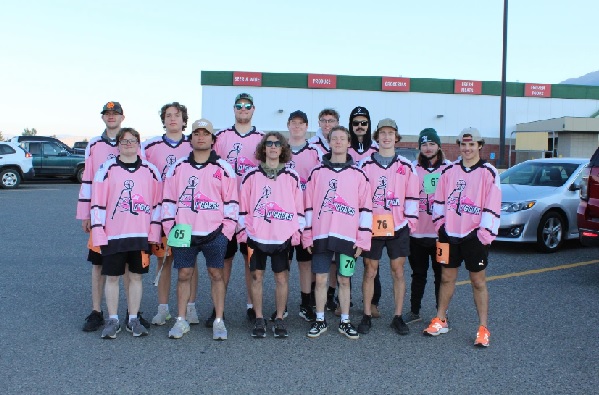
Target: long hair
pixel 180 107
pixel 285 148
pixel 424 162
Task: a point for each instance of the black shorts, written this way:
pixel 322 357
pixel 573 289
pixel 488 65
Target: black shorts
pixel 302 254
pixel 279 261
pixel 398 246
pixel 95 258
pixel 114 264
pixel 232 248
pixel 213 250
pixel 474 254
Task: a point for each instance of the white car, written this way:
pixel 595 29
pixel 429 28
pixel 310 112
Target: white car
pixel 16 165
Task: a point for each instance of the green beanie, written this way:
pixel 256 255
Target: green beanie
pixel 428 135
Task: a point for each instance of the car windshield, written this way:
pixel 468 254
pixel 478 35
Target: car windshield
pixel 549 174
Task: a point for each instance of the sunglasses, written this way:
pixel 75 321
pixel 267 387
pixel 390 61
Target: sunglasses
pixel 359 123
pixel 247 106
pixel 269 143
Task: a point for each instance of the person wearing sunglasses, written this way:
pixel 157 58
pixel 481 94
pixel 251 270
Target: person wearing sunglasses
pixel 271 217
pixel 237 145
pixel 362 145
pixel 163 151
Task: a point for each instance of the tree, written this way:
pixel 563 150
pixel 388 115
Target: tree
pixel 1 136
pixel 29 132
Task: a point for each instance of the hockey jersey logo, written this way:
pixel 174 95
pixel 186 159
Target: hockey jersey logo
pixel 382 197
pixel 110 156
pixel 170 160
pixel 241 164
pixel 129 202
pixel 462 204
pixel 270 210
pixel 193 200
pixel 334 203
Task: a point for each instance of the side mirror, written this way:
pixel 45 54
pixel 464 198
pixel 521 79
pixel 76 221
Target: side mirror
pixel 62 153
pixel 575 186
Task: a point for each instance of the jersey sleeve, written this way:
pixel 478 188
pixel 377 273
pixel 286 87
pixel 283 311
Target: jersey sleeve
pixel 364 237
pixel 85 191
pixel 299 209
pixel 244 202
pixel 412 198
pixel 99 200
pixel 490 218
pixel 306 237
pixel 156 224
pixel 439 203
pixel 169 202
pixel 230 198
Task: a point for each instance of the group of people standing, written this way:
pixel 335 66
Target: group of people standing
pixel 328 200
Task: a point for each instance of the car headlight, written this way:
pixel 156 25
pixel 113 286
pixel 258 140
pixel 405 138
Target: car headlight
pixel 510 207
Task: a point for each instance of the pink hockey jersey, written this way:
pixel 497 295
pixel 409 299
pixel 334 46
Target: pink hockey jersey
pixel 203 195
pixel 126 206
pixel 159 152
pixel 271 211
pixel 425 227
pixel 98 150
pixel 468 200
pixel 358 155
pixel 394 190
pixel 237 149
pixel 338 208
pixel 303 161
pixel 320 142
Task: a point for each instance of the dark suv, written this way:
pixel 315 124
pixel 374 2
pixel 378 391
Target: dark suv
pixel 588 209
pixel 51 158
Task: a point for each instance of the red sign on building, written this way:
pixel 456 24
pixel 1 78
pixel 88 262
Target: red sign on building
pixel 468 87
pixel 247 78
pixel 324 81
pixel 396 84
pixel 537 90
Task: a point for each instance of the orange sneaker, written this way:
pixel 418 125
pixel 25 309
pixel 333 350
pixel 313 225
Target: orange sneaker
pixel 436 327
pixel 482 337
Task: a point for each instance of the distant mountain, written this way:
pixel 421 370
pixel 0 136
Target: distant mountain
pixel 591 78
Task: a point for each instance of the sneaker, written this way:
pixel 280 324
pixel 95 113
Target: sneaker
pixel 259 330
pixel 347 329
pixel 180 328
pixel 134 326
pixel 273 317
pixel 162 316
pixel 482 337
pixel 210 320
pixel 192 315
pixel 399 325
pixel 94 321
pixel 411 317
pixel 374 311
pixel 318 328
pixel 111 328
pixel 219 331
pixel 143 321
pixel 436 327
pixel 365 324
pixel 251 314
pixel 279 329
pixel 307 313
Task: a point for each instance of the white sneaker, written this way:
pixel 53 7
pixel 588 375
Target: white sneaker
pixel 219 332
pixel 180 328
pixel 192 315
pixel 162 316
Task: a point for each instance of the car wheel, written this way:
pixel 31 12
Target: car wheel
pixel 550 234
pixel 80 174
pixel 10 178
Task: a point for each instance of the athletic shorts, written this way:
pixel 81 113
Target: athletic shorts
pixel 474 254
pixel 214 252
pixel 321 262
pixel 114 264
pixel 398 246
pixel 279 262
pixel 232 248
pixel 95 258
pixel 302 254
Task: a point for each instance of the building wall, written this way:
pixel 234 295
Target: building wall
pixel 580 145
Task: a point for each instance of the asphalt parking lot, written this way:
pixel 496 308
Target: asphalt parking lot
pixel 543 312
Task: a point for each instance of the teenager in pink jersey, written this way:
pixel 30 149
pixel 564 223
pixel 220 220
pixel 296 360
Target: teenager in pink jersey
pixel 163 152
pixel 125 218
pixel 237 145
pixel 271 216
pixel 466 215
pixel 200 190
pixel 394 185
pixel 338 221
pixel 430 163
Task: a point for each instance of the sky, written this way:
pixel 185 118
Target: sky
pixel 62 60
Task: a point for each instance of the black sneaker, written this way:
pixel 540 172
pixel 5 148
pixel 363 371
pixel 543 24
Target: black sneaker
pixel 365 324
pixel 331 304
pixel 210 320
pixel 279 329
pixel 259 330
pixel 399 325
pixel 318 328
pixel 307 313
pixel 251 314
pixel 273 317
pixel 94 321
pixel 347 329
pixel 141 319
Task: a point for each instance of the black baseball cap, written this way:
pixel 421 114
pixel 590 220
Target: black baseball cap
pixel 112 106
pixel 298 114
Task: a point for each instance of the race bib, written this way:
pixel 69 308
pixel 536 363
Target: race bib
pixel 160 250
pixel 382 225
pixel 442 253
pixel 347 265
pixel 180 236
pixel 90 245
pixel 430 182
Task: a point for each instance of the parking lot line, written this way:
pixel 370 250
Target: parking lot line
pixel 534 271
